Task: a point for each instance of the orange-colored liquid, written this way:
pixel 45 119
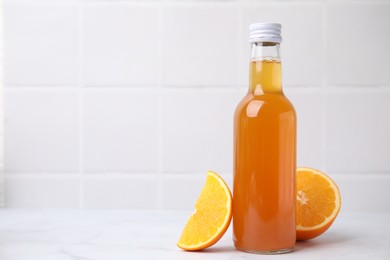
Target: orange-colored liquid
pixel 264 164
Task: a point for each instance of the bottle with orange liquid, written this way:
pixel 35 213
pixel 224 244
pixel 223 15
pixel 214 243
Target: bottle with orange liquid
pixel 264 153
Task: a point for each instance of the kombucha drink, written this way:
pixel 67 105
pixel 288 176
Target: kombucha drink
pixel 264 154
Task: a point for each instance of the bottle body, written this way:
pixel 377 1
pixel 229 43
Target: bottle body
pixel 264 163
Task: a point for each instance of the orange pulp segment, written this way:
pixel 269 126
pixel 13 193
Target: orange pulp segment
pixel 318 203
pixel 211 217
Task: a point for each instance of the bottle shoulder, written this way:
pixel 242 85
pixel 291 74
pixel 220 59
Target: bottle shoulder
pixel 271 103
pixel 271 99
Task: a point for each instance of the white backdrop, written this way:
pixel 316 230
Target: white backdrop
pixel 126 104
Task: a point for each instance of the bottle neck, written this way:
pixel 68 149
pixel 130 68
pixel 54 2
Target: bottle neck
pixel 265 68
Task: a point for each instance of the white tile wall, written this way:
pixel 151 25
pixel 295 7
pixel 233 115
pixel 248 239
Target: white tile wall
pixel 1 110
pixel 121 191
pixel 181 191
pixel 127 104
pixel 309 106
pixel 363 192
pixel 41 130
pixel 120 131
pixel 358 130
pixel 197 131
pixel 121 44
pixel 42 191
pixel 200 44
pixel 358 46
pixel 41 46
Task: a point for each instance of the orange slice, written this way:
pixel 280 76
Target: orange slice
pixel 211 218
pixel 318 203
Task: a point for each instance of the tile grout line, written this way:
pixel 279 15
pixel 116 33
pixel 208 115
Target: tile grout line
pixel 176 175
pixel 240 70
pixel 160 108
pixel 324 84
pixel 62 2
pixel 2 113
pixel 80 103
pixel 188 87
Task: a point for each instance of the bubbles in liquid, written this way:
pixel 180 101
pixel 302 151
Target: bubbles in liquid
pixel 266 59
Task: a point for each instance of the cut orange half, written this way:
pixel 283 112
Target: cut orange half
pixel 211 218
pixel 318 203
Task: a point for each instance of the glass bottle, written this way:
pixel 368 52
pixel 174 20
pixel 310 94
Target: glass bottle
pixel 264 153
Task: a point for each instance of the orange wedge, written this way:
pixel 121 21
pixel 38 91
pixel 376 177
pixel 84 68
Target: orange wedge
pixel 318 203
pixel 211 218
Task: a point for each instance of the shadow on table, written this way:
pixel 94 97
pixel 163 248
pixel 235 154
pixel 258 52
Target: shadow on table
pixel 219 249
pixel 324 241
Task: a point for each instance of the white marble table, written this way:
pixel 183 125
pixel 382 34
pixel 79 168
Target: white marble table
pixel 125 234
